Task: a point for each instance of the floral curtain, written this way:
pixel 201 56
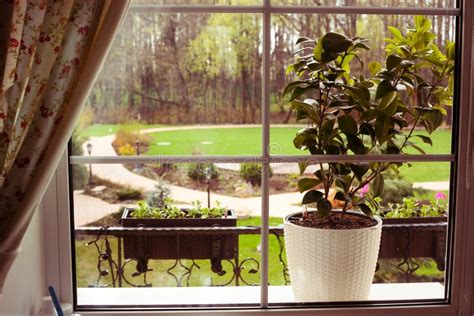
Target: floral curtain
pixel 50 53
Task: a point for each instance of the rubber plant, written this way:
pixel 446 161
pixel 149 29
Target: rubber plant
pixel 378 109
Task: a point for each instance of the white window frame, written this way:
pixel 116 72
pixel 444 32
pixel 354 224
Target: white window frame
pixel 56 202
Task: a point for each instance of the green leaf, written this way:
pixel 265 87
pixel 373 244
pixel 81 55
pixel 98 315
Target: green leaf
pixel 305 137
pixel 395 32
pixel 299 91
pixel 335 42
pixel 393 61
pixel 425 139
pixel 392 149
pixel 382 129
pixel 386 100
pixel 416 147
pixel 340 196
pixel 303 40
pixel 374 68
pixel 312 197
pixel 361 45
pixel 302 167
pixel 359 169
pixel 365 209
pixel 450 50
pixel 384 88
pixel 327 127
pixel 328 57
pixel 306 184
pixel 432 120
pixel 324 207
pixel 292 85
pixel 390 109
pixel 347 124
pixel 355 144
pixel 377 185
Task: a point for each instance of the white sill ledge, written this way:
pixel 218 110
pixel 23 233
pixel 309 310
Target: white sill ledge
pixel 238 294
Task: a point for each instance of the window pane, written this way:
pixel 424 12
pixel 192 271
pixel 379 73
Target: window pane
pixel 287 28
pixel 382 3
pixel 412 256
pixel 198 2
pixel 177 267
pixel 180 84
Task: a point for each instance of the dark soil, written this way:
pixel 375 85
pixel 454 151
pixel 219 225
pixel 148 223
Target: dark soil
pixel 336 220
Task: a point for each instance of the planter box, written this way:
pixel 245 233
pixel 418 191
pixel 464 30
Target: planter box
pixel 180 245
pixel 415 237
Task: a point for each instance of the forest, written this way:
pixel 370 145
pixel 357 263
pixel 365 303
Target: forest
pixel 188 68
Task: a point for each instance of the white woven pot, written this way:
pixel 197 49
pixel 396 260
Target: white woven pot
pixel 331 264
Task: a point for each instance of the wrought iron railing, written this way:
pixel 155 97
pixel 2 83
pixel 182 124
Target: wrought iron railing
pixel 111 263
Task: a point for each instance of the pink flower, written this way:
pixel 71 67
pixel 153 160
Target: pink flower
pixel 364 190
pixel 440 196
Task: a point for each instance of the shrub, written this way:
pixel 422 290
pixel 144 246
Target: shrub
pixel 79 172
pixel 197 172
pixel 252 172
pixel 128 135
pixel 128 193
pixel 127 150
pixel 395 190
pixel 80 177
pixel 163 168
pixel 157 197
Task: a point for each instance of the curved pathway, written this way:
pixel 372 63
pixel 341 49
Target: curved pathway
pixel 280 204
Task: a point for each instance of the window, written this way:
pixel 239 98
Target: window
pixel 189 105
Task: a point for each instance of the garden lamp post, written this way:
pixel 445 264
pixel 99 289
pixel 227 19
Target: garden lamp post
pixel 89 151
pixel 208 182
pixel 138 167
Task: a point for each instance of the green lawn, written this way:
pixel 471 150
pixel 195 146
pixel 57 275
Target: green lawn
pixel 86 263
pixel 97 130
pixel 247 141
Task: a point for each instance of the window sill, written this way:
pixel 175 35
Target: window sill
pixel 231 295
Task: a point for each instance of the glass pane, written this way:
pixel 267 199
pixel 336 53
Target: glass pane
pixel 381 3
pixel 180 84
pixel 287 28
pixel 198 2
pixel 412 255
pixel 175 267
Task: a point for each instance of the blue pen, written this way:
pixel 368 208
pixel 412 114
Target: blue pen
pixel 54 297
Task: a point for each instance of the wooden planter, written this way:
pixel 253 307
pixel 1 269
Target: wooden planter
pixel 415 237
pixel 180 245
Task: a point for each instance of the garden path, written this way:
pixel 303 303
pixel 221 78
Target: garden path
pixel 281 204
pixel 88 210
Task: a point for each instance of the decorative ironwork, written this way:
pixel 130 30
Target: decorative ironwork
pixel 281 245
pixel 186 275
pixel 401 241
pixel 237 269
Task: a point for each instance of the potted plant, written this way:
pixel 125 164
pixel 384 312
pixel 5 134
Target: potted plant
pixel 380 109
pixel 179 245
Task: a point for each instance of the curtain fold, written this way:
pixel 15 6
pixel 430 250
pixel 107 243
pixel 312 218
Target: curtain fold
pixel 50 55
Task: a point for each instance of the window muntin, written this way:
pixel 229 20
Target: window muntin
pixel 274 157
pixel 381 3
